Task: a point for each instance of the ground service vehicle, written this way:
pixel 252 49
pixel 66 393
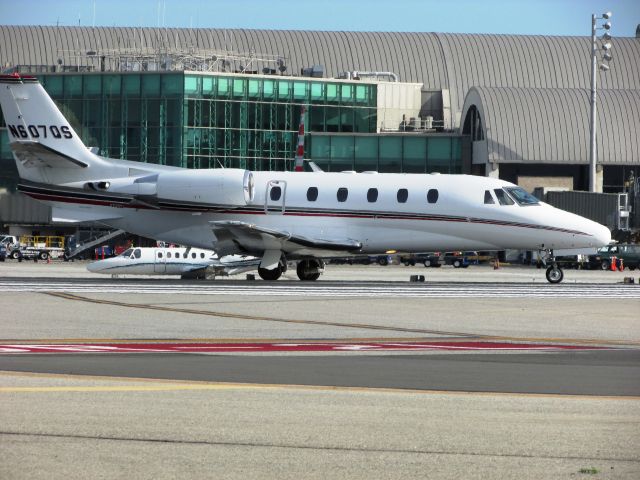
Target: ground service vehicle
pixel 31 246
pixel 630 255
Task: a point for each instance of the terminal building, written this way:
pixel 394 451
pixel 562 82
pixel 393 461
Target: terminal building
pixel 513 107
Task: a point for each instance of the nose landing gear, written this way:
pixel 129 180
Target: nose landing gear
pixel 554 273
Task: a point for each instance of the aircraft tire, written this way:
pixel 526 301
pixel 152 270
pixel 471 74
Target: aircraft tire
pixel 270 275
pixel 309 269
pixel 554 274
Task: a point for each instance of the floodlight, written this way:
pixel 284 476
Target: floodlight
pixel 607 56
pixel 606 36
pixel 606 47
pixel 607 15
pixel 606 25
pixel 604 67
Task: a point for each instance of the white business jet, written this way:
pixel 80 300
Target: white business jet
pixel 277 216
pixel 189 263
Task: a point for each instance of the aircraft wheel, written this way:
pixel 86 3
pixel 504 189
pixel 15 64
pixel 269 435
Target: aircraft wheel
pixel 554 274
pixel 270 275
pixel 309 269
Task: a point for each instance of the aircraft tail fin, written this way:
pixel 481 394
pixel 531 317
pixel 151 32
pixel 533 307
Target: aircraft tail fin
pixel 39 135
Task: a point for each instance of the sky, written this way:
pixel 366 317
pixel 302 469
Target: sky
pixel 526 17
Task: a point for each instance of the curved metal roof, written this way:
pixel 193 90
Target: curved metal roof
pixel 551 125
pixel 440 61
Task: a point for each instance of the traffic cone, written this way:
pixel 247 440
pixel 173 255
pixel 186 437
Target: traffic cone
pixel 613 264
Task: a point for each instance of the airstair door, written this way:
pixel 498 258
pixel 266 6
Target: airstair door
pixel 275 197
pixel 160 263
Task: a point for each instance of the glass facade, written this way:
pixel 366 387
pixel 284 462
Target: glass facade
pixel 202 120
pixel 252 122
pixel 387 153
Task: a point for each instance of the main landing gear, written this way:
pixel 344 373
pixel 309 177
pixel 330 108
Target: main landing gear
pixel 554 273
pixel 274 274
pixel 310 269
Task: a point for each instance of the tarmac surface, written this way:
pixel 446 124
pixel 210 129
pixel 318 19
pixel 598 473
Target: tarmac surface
pixel 475 373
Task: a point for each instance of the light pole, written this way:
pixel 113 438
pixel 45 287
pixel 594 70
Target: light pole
pixel 606 47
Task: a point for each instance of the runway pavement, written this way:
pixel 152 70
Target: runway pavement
pixel 380 378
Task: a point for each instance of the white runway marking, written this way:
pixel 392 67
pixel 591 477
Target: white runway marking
pixel 426 290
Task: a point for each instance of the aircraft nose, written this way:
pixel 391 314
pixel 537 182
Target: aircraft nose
pixel 94 267
pixel 601 234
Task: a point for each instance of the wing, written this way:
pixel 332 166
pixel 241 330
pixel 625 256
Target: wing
pixel 234 236
pixel 35 154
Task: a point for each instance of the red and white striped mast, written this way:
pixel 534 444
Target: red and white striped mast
pixel 299 167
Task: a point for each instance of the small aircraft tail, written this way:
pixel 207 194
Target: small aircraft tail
pixel 39 135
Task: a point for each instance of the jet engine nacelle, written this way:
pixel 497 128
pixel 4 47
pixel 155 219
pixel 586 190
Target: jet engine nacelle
pixel 216 186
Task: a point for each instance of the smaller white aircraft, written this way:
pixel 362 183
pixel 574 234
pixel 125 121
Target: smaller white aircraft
pixel 189 263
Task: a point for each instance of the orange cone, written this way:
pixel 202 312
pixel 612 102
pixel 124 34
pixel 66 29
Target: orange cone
pixel 613 264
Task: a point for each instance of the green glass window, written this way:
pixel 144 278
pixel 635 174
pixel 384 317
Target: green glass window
pixel 390 154
pixel 300 90
pixel 332 92
pixel 415 155
pixel 347 93
pixel 283 89
pixel 190 84
pixel 267 89
pixel 254 88
pixel 238 87
pixel 171 84
pixel 208 86
pixel 317 91
pixel 321 149
pixel 342 153
pixel 131 85
pixel 439 154
pixel 366 154
pixel 73 86
pixel 150 85
pixel 361 93
pixel 111 85
pixel 53 85
pixel 92 85
pixel 223 87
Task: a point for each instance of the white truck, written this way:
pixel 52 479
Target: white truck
pixel 29 246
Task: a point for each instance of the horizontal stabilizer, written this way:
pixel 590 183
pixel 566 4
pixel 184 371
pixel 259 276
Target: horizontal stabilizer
pixel 35 154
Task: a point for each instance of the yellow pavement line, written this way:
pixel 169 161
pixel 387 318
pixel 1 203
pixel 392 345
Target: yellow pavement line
pixel 183 385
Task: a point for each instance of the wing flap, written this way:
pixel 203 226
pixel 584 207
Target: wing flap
pixel 256 239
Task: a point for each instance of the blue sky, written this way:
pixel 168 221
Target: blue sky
pixel 535 17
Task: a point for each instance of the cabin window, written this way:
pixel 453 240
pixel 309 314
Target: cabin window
pixel 403 195
pixel 488 198
pixel 372 195
pixel 127 252
pixel 137 253
pixel 201 255
pixel 432 195
pixel 168 254
pixel 343 193
pixel 312 194
pixel 522 196
pixel 159 254
pixel 503 198
pixel 275 194
pixel 184 255
pixel 193 254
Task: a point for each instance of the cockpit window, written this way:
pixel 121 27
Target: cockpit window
pixel 127 252
pixel 503 198
pixel 522 196
pixel 137 253
pixel 488 199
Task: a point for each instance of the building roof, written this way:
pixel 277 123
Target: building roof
pixel 455 62
pixel 551 125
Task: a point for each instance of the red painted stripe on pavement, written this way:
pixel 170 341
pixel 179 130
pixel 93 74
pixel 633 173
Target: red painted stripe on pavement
pixel 278 347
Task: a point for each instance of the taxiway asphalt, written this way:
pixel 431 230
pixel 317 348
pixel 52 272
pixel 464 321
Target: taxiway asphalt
pixel 299 414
